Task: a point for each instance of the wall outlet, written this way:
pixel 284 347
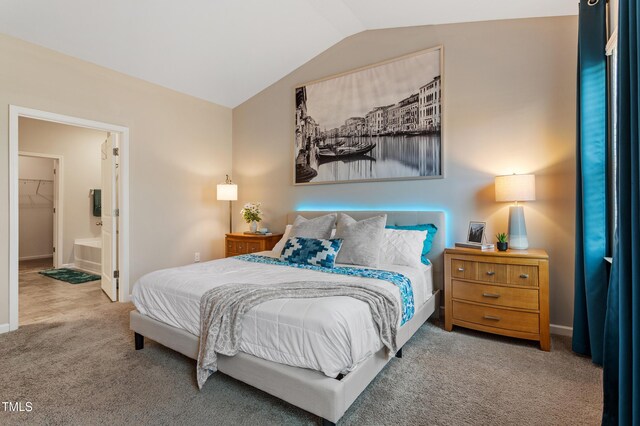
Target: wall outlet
pixel 196 257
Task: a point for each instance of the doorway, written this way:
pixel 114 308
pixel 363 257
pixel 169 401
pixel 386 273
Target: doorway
pixel 114 279
pixel 40 212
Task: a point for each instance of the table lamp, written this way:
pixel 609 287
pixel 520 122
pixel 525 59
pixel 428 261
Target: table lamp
pixel 516 188
pixel 228 191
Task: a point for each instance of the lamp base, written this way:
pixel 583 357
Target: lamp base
pixel 517 229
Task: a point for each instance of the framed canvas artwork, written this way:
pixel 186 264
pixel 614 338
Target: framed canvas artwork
pixel 381 122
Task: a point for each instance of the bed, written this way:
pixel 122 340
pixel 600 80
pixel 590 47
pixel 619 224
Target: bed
pixel 317 373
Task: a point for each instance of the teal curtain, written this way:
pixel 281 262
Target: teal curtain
pixel 590 300
pixel 621 378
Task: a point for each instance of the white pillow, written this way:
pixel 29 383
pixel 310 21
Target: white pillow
pixel 277 249
pixel 402 247
pixel 361 240
pixel 318 227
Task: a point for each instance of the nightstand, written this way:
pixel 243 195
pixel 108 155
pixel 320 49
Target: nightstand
pixel 238 243
pixel 498 292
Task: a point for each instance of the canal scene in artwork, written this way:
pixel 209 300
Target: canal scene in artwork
pixel 382 122
pixel 390 157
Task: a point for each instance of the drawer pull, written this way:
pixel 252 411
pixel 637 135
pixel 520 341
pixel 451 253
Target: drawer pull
pixel 492 295
pixel 491 273
pixel 525 276
pixel 491 317
pixel 460 269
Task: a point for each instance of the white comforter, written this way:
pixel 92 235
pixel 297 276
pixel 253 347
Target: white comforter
pixel 332 334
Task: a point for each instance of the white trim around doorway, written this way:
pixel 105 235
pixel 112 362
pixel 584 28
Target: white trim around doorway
pixel 15 112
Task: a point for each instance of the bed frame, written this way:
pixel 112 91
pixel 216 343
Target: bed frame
pixel 310 390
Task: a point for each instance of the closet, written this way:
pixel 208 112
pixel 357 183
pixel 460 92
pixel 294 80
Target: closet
pixel 36 206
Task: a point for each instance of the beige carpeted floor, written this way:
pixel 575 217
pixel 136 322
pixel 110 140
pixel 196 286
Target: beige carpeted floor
pixel 84 371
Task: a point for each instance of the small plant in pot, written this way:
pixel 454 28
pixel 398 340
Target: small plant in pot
pixel 503 245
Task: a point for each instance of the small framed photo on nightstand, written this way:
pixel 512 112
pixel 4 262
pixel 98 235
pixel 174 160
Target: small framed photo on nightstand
pixel 476 232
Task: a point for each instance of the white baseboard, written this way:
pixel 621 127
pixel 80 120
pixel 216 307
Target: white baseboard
pixel 80 268
pixel 88 266
pixel 4 328
pixel 39 256
pixel 561 330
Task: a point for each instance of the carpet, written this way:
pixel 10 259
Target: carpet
pixel 70 276
pixel 84 371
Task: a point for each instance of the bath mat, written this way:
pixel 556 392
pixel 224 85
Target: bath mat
pixel 71 276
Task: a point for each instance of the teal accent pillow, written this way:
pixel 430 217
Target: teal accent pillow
pixel 311 251
pixel 431 232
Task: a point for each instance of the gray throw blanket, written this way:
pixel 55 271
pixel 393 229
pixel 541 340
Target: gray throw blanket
pixel 222 309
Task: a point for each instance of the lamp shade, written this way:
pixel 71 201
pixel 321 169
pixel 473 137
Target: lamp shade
pixel 515 188
pixel 227 191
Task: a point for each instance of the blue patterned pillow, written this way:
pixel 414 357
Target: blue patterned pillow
pixel 311 251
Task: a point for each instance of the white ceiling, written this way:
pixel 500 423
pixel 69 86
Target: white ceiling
pixel 226 51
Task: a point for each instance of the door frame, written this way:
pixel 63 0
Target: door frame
pixel 15 112
pixel 58 161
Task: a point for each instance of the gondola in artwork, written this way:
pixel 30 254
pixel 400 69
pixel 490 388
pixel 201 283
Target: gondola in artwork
pixel 381 122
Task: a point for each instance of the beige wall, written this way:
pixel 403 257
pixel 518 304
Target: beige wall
pixel 80 149
pixel 509 93
pixel 180 148
pixel 613 15
pixel 35 168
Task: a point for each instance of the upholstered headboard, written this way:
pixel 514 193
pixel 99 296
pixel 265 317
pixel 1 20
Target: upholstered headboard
pixel 436 255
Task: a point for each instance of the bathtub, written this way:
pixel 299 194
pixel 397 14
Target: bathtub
pixel 87 254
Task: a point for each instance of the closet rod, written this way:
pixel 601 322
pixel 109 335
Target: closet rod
pixel 35 180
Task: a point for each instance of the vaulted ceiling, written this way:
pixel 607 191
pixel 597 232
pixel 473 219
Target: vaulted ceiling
pixel 226 51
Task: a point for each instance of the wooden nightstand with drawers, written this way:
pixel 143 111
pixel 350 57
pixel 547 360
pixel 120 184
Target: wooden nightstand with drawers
pixel 498 292
pixel 238 243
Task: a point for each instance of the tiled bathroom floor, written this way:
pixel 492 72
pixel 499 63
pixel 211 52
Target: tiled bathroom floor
pixel 45 299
